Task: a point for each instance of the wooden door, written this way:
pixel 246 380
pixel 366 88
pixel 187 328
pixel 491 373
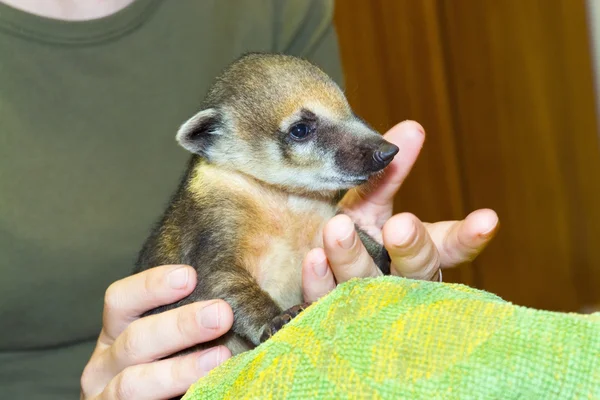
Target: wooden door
pixel 505 91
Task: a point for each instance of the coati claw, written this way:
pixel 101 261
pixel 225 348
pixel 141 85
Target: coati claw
pixel 279 321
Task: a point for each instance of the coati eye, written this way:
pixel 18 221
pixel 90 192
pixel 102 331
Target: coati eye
pixel 300 131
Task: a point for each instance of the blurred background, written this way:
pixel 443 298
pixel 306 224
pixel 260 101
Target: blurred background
pixel 507 95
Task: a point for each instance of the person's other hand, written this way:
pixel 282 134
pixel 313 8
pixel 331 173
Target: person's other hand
pixel 127 361
pixel 417 249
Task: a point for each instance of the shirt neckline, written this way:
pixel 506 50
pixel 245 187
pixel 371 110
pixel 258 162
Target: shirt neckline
pixel 75 33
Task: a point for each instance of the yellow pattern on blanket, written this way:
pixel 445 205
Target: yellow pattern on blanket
pixel 394 338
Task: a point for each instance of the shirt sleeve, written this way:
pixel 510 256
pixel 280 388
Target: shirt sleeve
pixel 305 28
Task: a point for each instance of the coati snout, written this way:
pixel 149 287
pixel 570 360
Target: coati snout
pixel 283 121
pixel 273 131
pixel 358 157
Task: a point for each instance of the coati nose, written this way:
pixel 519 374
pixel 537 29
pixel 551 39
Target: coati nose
pixel 385 153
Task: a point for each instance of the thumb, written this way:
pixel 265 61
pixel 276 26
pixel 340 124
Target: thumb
pixel 409 136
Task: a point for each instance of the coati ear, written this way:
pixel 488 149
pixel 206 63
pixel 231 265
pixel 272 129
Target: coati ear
pixel 198 133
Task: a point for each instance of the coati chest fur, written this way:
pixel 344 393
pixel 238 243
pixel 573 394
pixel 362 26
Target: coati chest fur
pixel 272 150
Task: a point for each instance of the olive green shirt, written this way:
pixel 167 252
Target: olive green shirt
pixel 88 158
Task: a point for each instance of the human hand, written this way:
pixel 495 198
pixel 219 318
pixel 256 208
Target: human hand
pixel 417 249
pixel 127 361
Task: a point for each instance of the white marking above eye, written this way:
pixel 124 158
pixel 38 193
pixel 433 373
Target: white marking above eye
pixel 290 121
pixel 319 109
pixel 323 111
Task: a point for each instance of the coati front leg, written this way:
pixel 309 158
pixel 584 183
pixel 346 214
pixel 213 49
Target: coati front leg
pixel 282 319
pixel 255 313
pixel 256 316
pixel 376 250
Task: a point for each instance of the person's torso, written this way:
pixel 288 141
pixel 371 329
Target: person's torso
pixel 88 157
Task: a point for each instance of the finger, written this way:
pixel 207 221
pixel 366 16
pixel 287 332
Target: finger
pixel 346 253
pixel 166 378
pixel 157 336
pixel 127 299
pixel 412 251
pixel 409 136
pixel 317 278
pixel 462 241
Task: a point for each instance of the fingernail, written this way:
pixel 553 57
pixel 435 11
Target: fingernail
pixel 493 224
pixel 416 133
pixel 348 241
pixel 408 238
pixel 488 232
pixel 417 127
pixel 210 317
pixel 320 267
pixel 178 278
pixel 209 360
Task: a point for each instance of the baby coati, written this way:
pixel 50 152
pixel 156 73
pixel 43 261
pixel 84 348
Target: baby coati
pixel 273 148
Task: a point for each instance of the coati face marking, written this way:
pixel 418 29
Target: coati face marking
pixel 283 121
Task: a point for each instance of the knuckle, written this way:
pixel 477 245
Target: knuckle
pixel 125 386
pixel 149 279
pixel 186 321
pixel 419 263
pixel 112 297
pixel 452 249
pixel 87 379
pixel 130 345
pixel 177 371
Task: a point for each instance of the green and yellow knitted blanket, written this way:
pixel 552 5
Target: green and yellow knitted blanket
pixel 394 338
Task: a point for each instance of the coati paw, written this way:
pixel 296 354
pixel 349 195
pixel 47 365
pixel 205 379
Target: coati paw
pixel 279 321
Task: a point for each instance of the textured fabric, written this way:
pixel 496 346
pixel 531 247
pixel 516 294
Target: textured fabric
pixel 393 338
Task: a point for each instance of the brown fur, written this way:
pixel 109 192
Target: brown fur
pixel 266 219
pixel 254 199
